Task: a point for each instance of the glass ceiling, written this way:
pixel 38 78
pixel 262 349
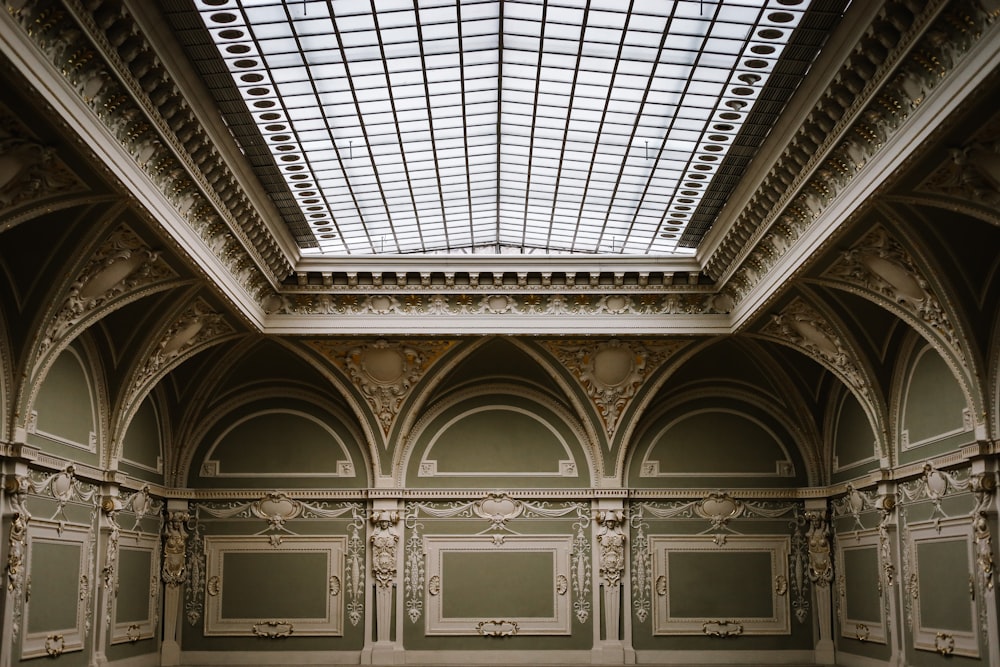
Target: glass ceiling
pixel 498 126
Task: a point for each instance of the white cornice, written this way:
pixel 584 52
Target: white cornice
pixel 500 263
pixel 978 63
pixel 54 89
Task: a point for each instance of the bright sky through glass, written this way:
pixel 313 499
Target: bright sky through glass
pixel 486 126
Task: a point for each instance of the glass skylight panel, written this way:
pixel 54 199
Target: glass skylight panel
pixel 435 125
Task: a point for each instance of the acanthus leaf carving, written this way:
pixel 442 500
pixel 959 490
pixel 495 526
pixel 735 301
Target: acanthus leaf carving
pixel 611 372
pixel 123 265
pixel 385 372
pixel 879 264
pixel 175 534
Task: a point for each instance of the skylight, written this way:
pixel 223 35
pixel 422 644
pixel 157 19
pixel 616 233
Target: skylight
pixel 498 126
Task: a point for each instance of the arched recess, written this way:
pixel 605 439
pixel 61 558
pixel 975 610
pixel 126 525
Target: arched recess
pixel 804 322
pixel 524 364
pixel 275 438
pixel 892 269
pixel 111 267
pixel 191 325
pixel 930 411
pixel 67 417
pixel 142 453
pixel 849 444
pixel 717 438
pixel 734 366
pixel 496 436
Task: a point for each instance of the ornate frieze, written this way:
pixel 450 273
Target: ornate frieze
pixel 385 372
pixel 123 268
pixel 101 53
pixel 613 371
pixel 430 301
pixel 880 86
pixel 971 172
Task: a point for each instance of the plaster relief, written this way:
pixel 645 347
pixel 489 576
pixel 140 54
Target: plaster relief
pixel 611 372
pixel 385 372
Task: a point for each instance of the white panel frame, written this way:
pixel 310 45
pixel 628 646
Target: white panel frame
pixel 852 628
pixel 132 631
pixel 944 640
pixel 329 625
pixel 55 642
pixel 777 546
pixel 560 546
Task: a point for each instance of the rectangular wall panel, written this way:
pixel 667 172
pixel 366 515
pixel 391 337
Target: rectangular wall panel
pixel 944 609
pixel 58 588
pixel 259 588
pixel 861 608
pixel 519 586
pixel 136 599
pixel 735 588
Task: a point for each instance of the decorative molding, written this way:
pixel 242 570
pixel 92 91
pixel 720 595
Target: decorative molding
pixel 122 269
pixel 593 301
pixel 881 85
pixel 197 327
pixel 665 623
pixel 497 628
pixel 862 629
pixel 175 533
pixel 820 558
pixel 272 629
pixel 970 171
pixel 642 568
pixel 354 568
pixel 132 630
pixel 384 372
pixel 722 629
pixel 719 508
pixel 194 592
pixel 934 485
pixel 984 486
pixel 612 372
pixel 438 624
pixel 385 543
pixel 328 623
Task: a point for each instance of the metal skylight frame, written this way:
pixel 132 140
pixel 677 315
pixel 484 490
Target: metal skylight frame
pixel 503 126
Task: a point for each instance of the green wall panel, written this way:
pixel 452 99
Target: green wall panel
pixel 943 580
pixel 934 401
pixel 861 584
pixel 55 580
pixel 274 585
pixel 716 442
pixel 141 444
pixel 855 441
pixel 63 403
pixel 133 585
pixel 720 585
pixel 497 585
pixel 278 443
pixel 498 440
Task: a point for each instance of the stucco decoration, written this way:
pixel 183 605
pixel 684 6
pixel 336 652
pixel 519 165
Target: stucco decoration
pixel 853 504
pixel 175 533
pixel 802 327
pixel 984 486
pixel 934 485
pixel 878 264
pixel 194 329
pixel 384 541
pixel 971 172
pixel 642 569
pixel 820 557
pixel 611 372
pixel 16 489
pixel 611 542
pixel 422 300
pixel 880 87
pixel 109 573
pixel 29 170
pixel 886 507
pixel 384 372
pixel 122 268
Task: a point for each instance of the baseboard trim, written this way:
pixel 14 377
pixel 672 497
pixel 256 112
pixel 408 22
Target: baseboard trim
pixel 496 658
pixel 151 659
pixel 270 658
pixel 725 657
